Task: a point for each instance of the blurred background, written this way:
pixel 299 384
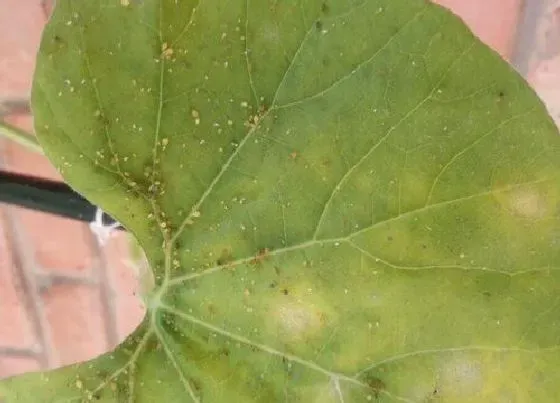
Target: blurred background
pixel 66 297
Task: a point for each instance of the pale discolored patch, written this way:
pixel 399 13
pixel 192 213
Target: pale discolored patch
pixel 297 320
pixel 270 33
pixel 329 391
pixel 299 312
pixel 534 202
pixel 529 204
pixel 460 377
pixel 486 377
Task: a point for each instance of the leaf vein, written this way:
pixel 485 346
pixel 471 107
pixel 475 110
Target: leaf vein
pixel 470 147
pixel 182 377
pixel 247 62
pixel 187 25
pixel 306 363
pixel 362 64
pixel 415 353
pixel 348 239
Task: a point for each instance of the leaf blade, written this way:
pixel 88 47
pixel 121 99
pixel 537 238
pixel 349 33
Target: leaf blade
pixel 340 201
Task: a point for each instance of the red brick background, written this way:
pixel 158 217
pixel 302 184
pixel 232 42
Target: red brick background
pixel 62 297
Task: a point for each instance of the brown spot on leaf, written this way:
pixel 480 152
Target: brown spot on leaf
pixel 376 385
pixel 261 256
pixel 212 310
pixel 225 257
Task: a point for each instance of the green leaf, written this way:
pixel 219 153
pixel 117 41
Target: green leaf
pixel 341 201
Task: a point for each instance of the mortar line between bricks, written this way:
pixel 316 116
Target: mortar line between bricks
pixel 50 278
pixel 526 35
pixel 14 106
pixel 24 281
pixel 27 290
pixel 106 292
pixel 19 352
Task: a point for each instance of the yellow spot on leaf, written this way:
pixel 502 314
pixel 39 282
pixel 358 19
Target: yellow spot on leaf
pixel 166 52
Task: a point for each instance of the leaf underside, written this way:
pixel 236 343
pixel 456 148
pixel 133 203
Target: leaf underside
pixel 341 201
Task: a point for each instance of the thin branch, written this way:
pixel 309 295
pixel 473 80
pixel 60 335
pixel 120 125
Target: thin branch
pixel 20 136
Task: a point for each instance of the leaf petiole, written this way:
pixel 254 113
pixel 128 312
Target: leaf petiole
pixel 20 136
